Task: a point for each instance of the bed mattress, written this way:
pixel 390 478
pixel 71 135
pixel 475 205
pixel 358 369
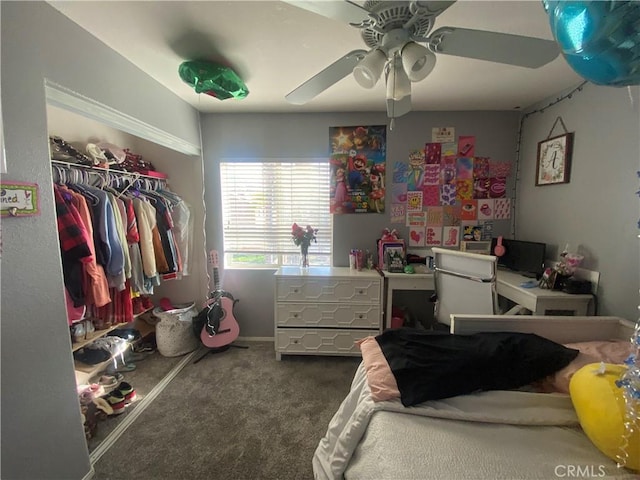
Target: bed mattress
pixel 400 446
pixel 488 435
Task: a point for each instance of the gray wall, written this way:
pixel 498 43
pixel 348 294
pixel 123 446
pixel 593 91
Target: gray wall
pixel 42 433
pixel 597 211
pixel 274 136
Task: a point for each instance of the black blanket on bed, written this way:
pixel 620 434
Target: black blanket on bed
pixel 433 365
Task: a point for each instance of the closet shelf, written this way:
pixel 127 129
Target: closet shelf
pixel 94 336
pixel 85 372
pixel 101 333
pixel 151 176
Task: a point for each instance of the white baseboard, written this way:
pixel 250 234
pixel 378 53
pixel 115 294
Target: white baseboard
pixel 256 339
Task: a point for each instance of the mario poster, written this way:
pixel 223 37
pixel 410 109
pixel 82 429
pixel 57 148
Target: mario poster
pixel 358 160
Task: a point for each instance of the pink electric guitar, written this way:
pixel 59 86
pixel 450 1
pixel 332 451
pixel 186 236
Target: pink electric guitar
pixel 221 328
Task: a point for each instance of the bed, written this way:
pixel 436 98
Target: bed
pixel 497 434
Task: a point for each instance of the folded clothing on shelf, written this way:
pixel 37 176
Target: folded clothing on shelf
pixel 129 334
pixel 101 350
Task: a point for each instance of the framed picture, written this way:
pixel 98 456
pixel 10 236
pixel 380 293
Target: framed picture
pixel 554 160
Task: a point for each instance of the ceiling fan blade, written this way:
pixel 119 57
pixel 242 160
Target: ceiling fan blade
pixel 343 11
pixel 327 77
pixel 494 47
pixel 397 108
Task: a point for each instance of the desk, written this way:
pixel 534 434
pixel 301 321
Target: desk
pixel 537 300
pixel 404 281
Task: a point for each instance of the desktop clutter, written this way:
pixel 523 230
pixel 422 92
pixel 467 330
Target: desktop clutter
pixel 524 257
pixel 559 277
pixel 393 257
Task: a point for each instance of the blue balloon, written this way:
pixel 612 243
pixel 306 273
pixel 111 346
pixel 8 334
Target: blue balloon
pixel 600 40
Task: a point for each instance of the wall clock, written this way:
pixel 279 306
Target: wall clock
pixel 554 159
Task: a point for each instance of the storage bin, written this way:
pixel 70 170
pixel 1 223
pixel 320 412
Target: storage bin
pixel 174 333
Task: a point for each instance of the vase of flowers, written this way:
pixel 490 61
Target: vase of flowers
pixel 303 238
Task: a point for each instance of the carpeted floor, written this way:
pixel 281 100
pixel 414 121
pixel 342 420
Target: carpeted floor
pixel 236 415
pixel 143 379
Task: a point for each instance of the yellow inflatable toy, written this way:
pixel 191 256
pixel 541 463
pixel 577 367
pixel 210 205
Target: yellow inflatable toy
pixel 601 409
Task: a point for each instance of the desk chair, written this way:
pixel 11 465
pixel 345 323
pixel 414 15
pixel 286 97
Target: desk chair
pixel 465 283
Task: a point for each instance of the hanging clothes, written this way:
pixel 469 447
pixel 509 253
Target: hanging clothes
pixel 117 243
pixel 181 231
pixel 73 245
pixel 95 285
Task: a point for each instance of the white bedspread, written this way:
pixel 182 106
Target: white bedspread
pixel 519 409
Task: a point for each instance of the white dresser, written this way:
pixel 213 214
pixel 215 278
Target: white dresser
pixel 324 310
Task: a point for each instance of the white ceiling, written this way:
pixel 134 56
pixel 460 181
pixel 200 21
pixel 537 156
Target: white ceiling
pixel 275 47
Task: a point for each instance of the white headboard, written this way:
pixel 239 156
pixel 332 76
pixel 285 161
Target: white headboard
pixel 560 329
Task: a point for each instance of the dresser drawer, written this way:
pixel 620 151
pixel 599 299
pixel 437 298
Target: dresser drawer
pixel 327 289
pixel 320 342
pixel 328 315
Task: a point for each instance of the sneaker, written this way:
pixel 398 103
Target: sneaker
pixel 87 393
pixel 127 391
pixel 110 381
pixel 116 400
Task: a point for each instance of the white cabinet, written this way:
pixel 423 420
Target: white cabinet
pixel 324 310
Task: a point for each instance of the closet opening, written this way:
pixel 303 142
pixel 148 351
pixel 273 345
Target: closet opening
pixel 112 325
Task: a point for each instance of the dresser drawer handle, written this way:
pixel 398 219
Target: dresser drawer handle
pixel 295 290
pixel 295 315
pixel 360 292
pixel 360 316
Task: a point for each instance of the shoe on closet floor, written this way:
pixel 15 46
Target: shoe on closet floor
pixel 110 381
pixel 87 393
pixel 116 400
pixel 103 406
pixel 124 368
pixel 127 391
pixel 131 356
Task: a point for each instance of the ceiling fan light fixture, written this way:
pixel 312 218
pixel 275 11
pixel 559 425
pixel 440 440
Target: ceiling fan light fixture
pixel 398 84
pixel 417 61
pixel 368 70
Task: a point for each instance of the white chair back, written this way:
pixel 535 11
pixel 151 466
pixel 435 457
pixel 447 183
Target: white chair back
pixel 464 283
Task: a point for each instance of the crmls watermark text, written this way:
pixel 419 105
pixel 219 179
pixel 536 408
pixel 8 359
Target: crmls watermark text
pixel 579 471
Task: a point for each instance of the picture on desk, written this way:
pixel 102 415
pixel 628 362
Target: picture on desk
pixel 394 259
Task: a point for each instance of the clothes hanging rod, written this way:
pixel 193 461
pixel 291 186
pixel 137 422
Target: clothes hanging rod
pixel 107 170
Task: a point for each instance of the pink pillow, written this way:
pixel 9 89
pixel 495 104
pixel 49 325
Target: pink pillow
pixel 381 381
pixel 614 351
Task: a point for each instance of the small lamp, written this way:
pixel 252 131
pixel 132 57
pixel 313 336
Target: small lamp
pixel 417 61
pixel 369 69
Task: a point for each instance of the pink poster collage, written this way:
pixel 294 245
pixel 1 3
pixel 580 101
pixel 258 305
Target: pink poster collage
pixel 445 193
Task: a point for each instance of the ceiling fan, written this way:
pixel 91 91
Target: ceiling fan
pixel 403 47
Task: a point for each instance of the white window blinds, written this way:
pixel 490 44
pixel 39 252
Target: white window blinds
pixel 260 202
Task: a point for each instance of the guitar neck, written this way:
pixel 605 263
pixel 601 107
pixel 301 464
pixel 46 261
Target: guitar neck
pixel 213 260
pixel 216 279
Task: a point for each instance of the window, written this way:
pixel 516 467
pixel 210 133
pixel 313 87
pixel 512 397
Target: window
pixel 260 202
